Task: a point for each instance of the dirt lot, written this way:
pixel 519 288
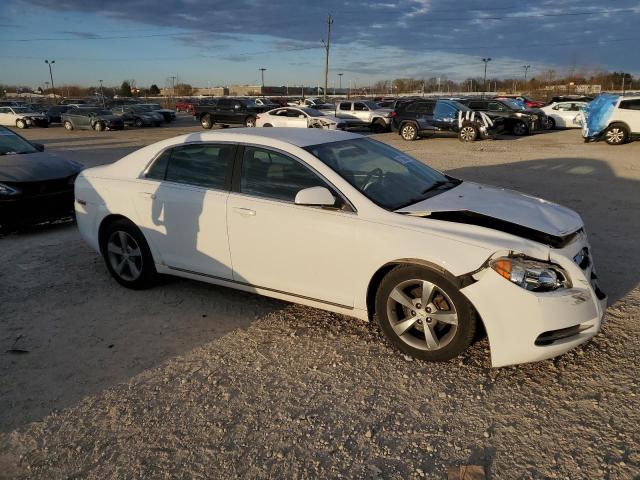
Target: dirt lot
pixel 189 380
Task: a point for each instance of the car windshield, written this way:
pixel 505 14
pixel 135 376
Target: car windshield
pixel 248 102
pixel 371 105
pixel 388 177
pixel 141 108
pixel 12 144
pixel 154 106
pixel 97 111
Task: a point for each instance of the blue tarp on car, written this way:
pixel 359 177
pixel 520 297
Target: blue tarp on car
pixel 597 115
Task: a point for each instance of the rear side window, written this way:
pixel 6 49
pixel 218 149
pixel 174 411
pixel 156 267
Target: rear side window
pixel 477 105
pixel 270 174
pixel 630 104
pixel 204 165
pixel 158 169
pixel 421 107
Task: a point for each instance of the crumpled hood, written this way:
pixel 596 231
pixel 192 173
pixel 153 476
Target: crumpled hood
pixel 501 204
pixel 36 167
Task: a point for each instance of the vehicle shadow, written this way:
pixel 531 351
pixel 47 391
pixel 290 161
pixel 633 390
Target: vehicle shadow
pixel 69 330
pixel 608 204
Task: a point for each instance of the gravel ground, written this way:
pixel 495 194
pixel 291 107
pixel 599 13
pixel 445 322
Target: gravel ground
pixel 189 380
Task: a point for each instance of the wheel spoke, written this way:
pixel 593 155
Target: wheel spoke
pixel 135 252
pixel 120 266
pixel 430 336
pixel 400 297
pixel 133 268
pixel 401 327
pixel 113 248
pixel 446 317
pixel 427 293
pixel 123 240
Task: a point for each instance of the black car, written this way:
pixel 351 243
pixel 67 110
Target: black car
pixel 168 114
pixel 55 113
pixel 229 111
pixel 138 115
pixel 91 118
pixel 34 185
pixel 517 120
pixel 419 117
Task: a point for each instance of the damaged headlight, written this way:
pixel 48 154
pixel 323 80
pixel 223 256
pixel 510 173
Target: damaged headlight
pixel 533 275
pixel 8 191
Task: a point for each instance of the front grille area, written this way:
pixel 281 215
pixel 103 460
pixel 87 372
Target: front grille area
pixel 45 187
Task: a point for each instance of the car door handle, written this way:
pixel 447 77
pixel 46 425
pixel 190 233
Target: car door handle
pixel 152 196
pixel 245 211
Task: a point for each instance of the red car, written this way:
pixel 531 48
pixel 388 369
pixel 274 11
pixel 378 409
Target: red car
pixel 527 101
pixel 188 106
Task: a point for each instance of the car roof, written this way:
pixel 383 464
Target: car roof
pixel 300 137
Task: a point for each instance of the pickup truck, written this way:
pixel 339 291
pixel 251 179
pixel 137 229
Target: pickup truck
pixel 229 111
pixel 365 113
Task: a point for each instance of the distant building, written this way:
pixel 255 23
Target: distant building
pixel 212 91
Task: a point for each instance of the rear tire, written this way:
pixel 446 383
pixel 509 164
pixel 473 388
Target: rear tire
pixel 68 125
pixel 378 126
pixel 98 127
pixel 409 132
pixel 423 314
pixel 267 125
pixel 138 122
pixel 127 255
pixel 551 124
pixel 616 134
pixel 250 122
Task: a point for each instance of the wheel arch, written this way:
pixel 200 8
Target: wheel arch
pixel 380 273
pixel 619 123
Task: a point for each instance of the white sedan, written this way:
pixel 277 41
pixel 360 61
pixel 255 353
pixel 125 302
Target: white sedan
pixel 564 114
pixel 299 117
pixel 22 117
pixel 341 222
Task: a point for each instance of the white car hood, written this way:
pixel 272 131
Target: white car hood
pixel 501 204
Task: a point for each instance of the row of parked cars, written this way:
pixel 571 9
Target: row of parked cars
pixel 85 116
pixel 471 118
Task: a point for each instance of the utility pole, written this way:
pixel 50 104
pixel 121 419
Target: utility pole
pixel 53 87
pixel 173 88
pixel 485 60
pixel 101 93
pixel 326 55
pixel 623 78
pixel 526 69
pixel 340 82
pixel 262 70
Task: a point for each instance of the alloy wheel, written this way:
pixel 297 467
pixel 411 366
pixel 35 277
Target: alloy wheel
pixel 519 129
pixel 422 315
pixel 251 122
pixel 468 134
pixel 125 255
pixel 409 132
pixel 615 135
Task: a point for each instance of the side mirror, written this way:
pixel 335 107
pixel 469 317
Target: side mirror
pixel 38 146
pixel 315 196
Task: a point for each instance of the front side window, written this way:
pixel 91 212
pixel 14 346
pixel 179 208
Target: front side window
pixel 270 174
pixel 203 164
pixel 496 106
pixel 345 106
pixel 386 176
pixel 630 104
pixel 360 107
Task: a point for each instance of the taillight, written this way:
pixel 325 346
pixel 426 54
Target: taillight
pixel 394 114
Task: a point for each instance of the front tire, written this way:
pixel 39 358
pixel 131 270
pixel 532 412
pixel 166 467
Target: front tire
pixel 250 122
pixel 21 124
pixel 138 122
pixel 551 124
pixel 468 133
pixel 98 127
pixel 616 134
pixel 423 314
pixel 409 132
pixel 379 126
pixel 68 125
pixel 127 255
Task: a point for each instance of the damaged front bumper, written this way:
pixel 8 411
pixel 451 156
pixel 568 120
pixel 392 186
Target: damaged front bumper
pixel 526 326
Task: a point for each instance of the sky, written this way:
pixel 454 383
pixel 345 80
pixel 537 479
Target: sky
pixel 210 43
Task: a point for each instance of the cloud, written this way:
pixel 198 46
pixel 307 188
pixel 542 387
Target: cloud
pixel 541 31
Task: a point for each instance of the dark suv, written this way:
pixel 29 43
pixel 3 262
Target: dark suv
pixel 418 117
pixel 517 120
pixel 229 111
